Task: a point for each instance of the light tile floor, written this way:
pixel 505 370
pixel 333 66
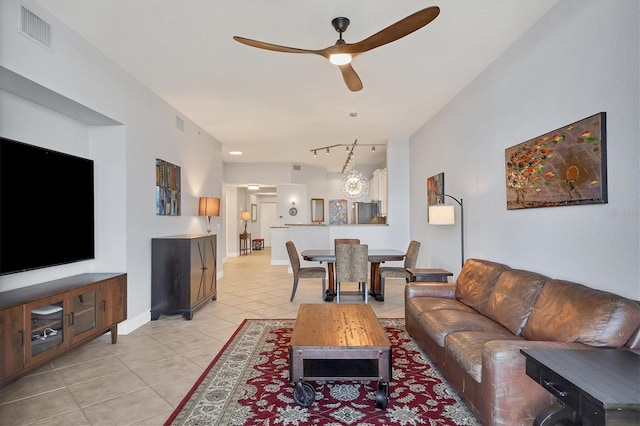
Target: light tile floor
pixel 142 378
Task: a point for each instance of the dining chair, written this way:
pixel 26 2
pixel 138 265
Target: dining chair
pixel 347 241
pixel 308 272
pixel 410 260
pixel 352 261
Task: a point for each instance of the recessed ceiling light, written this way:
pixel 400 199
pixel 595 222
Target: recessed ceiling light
pixel 253 187
pixel 235 152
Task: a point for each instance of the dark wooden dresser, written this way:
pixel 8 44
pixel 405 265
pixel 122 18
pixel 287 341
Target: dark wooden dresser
pixel 183 274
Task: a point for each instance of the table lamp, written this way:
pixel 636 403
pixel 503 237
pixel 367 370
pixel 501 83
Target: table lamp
pixel 245 215
pixel 209 206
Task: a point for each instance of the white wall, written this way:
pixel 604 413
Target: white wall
pixel 261 173
pixel 579 59
pixel 292 195
pixel 73 72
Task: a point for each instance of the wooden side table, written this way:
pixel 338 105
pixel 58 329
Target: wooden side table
pixel 245 243
pixel 429 275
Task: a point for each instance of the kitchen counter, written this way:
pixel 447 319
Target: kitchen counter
pixel 336 226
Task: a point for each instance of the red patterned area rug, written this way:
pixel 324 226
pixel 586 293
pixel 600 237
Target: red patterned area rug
pixel 248 384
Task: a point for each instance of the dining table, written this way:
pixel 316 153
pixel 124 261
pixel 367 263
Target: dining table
pixel 376 257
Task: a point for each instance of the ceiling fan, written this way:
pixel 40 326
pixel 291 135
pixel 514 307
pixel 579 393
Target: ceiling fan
pixel 341 53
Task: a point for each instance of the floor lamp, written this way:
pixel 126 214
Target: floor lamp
pixel 441 214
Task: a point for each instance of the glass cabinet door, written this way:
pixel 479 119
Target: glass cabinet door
pixel 46 327
pixel 84 311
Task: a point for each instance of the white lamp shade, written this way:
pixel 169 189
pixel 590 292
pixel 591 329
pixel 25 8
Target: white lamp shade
pixel 245 215
pixel 209 206
pixel 441 215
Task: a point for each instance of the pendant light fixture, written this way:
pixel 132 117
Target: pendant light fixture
pixel 354 184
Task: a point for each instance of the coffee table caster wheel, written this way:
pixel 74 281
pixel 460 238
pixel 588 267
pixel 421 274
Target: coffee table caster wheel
pixel 382 396
pixel 304 394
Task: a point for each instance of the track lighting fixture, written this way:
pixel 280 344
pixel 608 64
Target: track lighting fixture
pixel 348 147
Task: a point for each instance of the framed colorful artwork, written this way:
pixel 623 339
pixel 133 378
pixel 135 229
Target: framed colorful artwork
pixel 338 214
pixel 167 188
pixel 564 167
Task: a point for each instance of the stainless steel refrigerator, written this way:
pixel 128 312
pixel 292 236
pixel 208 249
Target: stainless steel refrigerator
pixel 364 212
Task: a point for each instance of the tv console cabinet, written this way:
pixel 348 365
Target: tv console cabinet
pixel 43 321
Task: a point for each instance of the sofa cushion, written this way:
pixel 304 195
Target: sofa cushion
pixel 570 312
pixel 422 304
pixel 513 298
pixel 465 348
pixel 476 280
pixel 439 323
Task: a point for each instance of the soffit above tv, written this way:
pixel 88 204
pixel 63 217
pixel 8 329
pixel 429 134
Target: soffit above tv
pixel 30 90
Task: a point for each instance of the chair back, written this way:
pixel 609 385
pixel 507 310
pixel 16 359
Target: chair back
pixel 293 257
pixel 352 262
pixel 411 258
pixel 346 241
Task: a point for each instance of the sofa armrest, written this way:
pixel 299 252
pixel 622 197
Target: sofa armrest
pixel 511 395
pixel 426 289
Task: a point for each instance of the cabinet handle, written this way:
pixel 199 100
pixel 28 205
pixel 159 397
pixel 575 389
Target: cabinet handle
pixel 554 390
pixel 21 337
pixel 104 306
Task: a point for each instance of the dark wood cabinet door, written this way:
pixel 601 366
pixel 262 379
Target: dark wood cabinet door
pixel 211 265
pixel 12 338
pixel 113 302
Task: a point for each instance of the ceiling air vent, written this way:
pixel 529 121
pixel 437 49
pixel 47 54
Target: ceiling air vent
pixel 297 167
pixel 35 27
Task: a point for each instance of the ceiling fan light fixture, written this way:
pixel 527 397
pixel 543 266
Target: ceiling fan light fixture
pixel 340 58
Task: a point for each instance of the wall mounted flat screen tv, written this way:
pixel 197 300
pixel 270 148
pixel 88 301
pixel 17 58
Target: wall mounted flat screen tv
pixel 46 207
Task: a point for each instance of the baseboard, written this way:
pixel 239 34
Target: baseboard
pixel 131 324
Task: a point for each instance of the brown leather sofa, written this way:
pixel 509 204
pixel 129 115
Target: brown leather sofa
pixel 473 331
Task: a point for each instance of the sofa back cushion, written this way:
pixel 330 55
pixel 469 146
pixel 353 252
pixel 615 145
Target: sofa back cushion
pixel 476 280
pixel 513 298
pixel 570 312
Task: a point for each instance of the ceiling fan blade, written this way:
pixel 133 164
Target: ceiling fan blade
pixel 395 31
pixel 350 77
pixel 274 47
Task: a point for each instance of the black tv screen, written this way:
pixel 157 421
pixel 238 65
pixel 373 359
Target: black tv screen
pixel 46 207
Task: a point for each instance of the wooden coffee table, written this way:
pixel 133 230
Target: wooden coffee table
pixel 338 342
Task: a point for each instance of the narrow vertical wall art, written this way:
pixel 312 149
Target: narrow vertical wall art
pixel 167 188
pixel 435 187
